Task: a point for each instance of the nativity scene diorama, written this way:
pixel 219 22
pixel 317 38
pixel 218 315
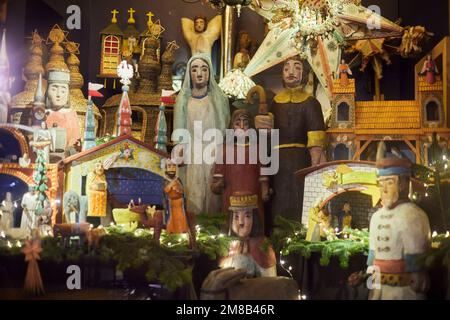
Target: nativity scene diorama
pixel 278 161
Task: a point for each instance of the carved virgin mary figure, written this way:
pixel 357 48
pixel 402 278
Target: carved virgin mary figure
pixel 200 106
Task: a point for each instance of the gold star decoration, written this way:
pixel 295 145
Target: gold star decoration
pixel 56 35
pixel 172 46
pixel 156 29
pixel 72 47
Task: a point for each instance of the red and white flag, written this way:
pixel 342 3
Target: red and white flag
pixel 93 90
pixel 166 96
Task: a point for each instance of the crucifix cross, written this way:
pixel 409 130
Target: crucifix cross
pixel 150 16
pixel 131 11
pixel 114 17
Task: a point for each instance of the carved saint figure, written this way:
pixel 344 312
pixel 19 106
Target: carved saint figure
pixel 7 211
pixel 60 115
pixel 97 191
pixel 299 118
pixel 201 35
pixel 29 203
pixel 201 107
pixel 175 195
pixel 429 70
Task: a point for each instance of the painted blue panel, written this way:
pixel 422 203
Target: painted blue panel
pixel 125 184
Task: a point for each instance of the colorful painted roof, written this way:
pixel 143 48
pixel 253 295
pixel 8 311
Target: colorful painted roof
pixel 379 115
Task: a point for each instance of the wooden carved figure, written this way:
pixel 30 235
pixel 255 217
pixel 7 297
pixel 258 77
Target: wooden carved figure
pixel 200 107
pixel 399 234
pixel 299 119
pixel 201 35
pixel 247 252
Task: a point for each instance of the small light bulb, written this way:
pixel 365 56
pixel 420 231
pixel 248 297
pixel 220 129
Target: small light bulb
pixel 9 244
pixel 290 268
pixel 434 235
pixel 447 234
pixel 282 262
pixel 303 297
pixel 112 224
pixel 2 234
pixel 18 243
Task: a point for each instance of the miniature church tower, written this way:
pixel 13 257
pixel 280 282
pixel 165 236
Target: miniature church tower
pixel 111 53
pixel 39 104
pixel 342 120
pixel 125 72
pixel 131 36
pixel 20 105
pixel 89 129
pixel 430 95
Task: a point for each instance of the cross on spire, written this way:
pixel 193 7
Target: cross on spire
pixel 131 11
pixel 114 17
pixel 150 15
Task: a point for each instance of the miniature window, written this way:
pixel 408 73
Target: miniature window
pixel 432 110
pixel 341 152
pixel 343 112
pixel 111 45
pixel 111 53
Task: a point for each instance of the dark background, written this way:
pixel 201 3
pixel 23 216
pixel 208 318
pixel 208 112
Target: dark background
pixel 27 15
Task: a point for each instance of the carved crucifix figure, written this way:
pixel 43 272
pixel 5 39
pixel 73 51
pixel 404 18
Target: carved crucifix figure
pixel 201 35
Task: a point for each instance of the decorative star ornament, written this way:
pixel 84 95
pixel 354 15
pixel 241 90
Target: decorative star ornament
pixel 72 47
pixel 56 35
pixel 316 30
pixel 172 45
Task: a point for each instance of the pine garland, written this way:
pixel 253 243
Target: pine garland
pixel 289 237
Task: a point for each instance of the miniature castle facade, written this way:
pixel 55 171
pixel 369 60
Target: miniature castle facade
pixel 357 126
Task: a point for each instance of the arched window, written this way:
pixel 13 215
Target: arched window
pixel 111 54
pixel 343 112
pixel 432 110
pixel 341 152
